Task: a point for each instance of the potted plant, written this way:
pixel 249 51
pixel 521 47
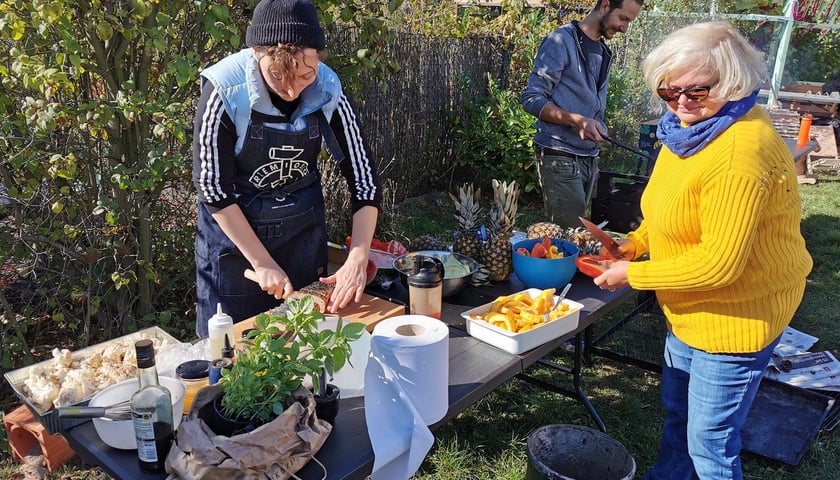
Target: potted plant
pixel 280 352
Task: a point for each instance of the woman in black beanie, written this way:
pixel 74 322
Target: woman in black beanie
pixel 264 116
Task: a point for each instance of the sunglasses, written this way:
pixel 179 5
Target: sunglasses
pixel 695 93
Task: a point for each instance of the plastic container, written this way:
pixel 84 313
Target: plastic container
pixel 574 452
pixel 195 375
pixel 804 130
pixel 351 377
pixel 545 273
pixel 425 287
pixel 517 343
pixel 218 326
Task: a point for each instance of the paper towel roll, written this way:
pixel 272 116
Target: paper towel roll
pixel 416 348
pixel 406 389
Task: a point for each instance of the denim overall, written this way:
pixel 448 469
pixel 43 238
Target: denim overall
pixel 279 191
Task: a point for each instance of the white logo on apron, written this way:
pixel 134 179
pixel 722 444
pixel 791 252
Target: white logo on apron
pixel 284 167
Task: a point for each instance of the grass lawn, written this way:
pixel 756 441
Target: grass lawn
pixel 487 441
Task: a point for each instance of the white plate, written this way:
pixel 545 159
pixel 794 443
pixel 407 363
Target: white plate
pixel 517 343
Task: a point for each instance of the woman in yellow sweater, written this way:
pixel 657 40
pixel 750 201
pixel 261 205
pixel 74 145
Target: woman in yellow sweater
pixel 726 257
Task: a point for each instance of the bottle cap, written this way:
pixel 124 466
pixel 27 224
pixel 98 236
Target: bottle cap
pixel 427 272
pixel 193 369
pixel 220 318
pixel 145 353
pixel 227 351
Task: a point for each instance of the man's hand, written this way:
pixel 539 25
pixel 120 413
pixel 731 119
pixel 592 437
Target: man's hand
pixel 591 129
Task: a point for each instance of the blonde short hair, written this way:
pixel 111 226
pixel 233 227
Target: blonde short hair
pixel 714 48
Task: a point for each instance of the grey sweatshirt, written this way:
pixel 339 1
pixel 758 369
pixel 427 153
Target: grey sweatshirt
pixel 560 76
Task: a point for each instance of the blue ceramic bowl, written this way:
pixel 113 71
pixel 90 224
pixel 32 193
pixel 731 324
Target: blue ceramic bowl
pixel 545 273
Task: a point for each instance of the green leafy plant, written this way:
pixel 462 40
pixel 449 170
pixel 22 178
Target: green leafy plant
pixel 280 353
pixel 97 101
pixel 496 136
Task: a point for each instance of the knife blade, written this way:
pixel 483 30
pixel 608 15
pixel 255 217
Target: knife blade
pixel 606 240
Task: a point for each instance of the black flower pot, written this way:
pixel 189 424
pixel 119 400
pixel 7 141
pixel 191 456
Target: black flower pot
pixel 214 416
pixel 326 407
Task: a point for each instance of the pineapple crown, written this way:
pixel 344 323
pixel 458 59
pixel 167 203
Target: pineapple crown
pixel 467 208
pixel 503 213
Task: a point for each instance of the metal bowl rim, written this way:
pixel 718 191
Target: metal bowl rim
pixel 465 259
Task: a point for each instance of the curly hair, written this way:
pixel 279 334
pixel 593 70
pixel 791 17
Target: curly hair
pixel 284 59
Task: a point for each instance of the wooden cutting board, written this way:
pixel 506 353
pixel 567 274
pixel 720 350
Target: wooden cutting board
pixel 370 311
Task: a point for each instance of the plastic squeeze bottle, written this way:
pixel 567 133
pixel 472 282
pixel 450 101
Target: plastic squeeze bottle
pixel 218 326
pixel 804 130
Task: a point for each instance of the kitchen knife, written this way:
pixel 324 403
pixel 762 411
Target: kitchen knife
pixel 606 240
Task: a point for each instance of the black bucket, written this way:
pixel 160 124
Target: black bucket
pixel 573 452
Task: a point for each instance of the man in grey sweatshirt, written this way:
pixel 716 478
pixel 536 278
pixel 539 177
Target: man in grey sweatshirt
pixel 567 92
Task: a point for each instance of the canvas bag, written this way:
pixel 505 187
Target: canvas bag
pixel 275 450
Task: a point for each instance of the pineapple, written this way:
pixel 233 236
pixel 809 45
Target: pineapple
pixel 426 242
pixel 481 277
pixel 579 236
pixel 497 253
pixel 468 214
pixel 585 241
pixel 546 229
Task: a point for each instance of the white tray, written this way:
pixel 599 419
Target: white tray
pixel 517 343
pixel 16 378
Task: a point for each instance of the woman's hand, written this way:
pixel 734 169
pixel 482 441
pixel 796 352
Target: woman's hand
pixel 350 281
pixel 274 281
pixel 351 278
pixel 625 247
pixel 614 277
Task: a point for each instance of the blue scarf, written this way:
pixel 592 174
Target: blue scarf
pixel 686 141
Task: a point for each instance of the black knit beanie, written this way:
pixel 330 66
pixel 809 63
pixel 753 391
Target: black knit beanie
pixel 285 21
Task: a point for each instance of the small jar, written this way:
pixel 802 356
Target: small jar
pixel 195 375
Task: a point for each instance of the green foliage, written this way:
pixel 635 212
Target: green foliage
pixel 813 56
pixel 280 353
pixel 520 27
pixel 97 102
pixel 495 135
pixel 360 56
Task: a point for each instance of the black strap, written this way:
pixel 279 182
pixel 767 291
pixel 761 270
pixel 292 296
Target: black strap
pixel 330 139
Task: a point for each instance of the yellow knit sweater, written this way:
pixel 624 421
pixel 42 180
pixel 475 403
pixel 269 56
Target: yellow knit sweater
pixel 727 259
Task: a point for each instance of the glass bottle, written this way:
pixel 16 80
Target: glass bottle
pixel 151 412
pixel 195 375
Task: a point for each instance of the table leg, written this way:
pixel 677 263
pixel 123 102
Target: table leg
pixel 593 346
pixel 578 393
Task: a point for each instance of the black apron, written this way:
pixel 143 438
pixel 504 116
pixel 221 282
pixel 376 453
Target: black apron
pixel 279 191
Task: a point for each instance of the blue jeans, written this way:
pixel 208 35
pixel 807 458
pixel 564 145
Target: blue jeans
pixel 715 391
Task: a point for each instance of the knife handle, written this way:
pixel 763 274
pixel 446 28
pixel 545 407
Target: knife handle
pixel 251 275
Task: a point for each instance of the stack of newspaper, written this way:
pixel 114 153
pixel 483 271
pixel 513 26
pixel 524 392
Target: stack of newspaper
pixel 792 363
